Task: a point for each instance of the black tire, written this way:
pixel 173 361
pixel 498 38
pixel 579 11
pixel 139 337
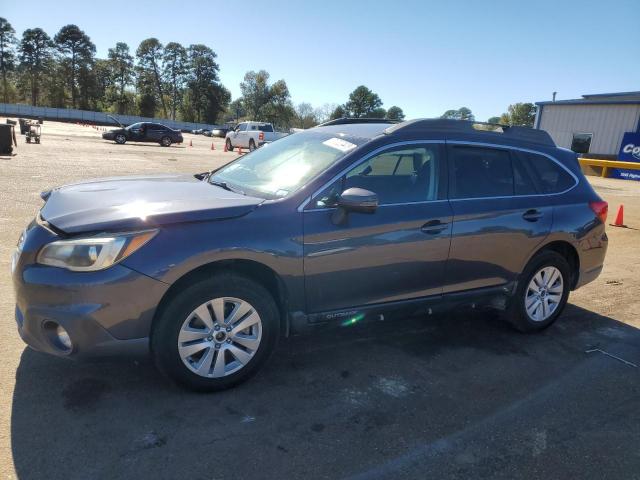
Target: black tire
pixel 166 328
pixel 120 139
pixel 165 141
pixel 229 146
pixel 28 139
pixel 252 145
pixel 516 313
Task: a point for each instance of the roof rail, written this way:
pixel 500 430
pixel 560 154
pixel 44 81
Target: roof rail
pixel 525 134
pixel 347 120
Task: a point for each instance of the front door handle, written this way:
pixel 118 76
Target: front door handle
pixel 433 226
pixel 532 215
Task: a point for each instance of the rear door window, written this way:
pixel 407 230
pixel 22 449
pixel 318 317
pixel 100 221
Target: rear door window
pixel 548 175
pixel 523 179
pixel 479 172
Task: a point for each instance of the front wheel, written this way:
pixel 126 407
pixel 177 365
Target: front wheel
pixel 228 144
pixel 120 139
pixel 216 333
pixel 165 141
pixel 542 292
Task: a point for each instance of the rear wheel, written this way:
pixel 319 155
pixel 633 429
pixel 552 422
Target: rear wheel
pixel 252 145
pixel 542 292
pixel 216 333
pixel 120 139
pixel 165 141
pixel 229 146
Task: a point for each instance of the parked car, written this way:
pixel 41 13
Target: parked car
pixel 145 132
pixel 221 132
pixel 251 135
pixel 343 223
pixel 206 133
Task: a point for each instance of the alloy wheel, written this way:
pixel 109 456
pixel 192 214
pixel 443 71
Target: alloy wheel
pixel 544 293
pixel 220 337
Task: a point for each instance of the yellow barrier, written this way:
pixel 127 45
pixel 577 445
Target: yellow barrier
pixel 607 164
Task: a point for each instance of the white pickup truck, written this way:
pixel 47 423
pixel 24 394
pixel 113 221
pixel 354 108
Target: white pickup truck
pixel 251 135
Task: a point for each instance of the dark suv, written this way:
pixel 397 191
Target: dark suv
pixel 346 222
pixel 144 132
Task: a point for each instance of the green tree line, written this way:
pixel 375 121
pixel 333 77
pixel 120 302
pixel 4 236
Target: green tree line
pixel 156 80
pixel 172 81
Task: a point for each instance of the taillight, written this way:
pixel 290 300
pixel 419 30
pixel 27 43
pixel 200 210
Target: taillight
pixel 261 136
pixel 601 209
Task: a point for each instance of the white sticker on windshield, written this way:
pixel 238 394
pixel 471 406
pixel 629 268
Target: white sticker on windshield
pixel 339 144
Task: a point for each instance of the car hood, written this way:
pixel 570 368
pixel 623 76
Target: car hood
pixel 124 203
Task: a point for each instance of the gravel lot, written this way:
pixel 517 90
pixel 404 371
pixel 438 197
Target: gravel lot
pixel 457 396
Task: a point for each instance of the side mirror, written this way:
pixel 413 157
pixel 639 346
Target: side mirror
pixel 358 200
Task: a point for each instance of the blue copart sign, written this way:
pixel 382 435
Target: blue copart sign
pixel 629 152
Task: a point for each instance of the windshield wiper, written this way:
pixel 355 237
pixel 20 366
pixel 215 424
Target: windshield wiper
pixel 226 186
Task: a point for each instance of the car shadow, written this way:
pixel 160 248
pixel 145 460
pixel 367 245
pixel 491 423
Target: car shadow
pixel 457 395
pixel 147 144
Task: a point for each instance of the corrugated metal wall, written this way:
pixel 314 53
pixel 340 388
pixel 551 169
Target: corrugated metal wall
pixel 74 115
pixel 607 123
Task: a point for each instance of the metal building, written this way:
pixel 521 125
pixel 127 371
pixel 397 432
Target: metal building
pixel 593 124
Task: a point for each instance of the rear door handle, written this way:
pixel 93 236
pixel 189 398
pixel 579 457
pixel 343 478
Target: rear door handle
pixel 532 215
pixel 434 226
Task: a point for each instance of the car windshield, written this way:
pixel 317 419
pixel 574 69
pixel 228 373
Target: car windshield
pixel 282 167
pixel 134 126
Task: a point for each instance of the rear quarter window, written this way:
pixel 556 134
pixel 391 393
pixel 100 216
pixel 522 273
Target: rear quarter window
pixel 547 174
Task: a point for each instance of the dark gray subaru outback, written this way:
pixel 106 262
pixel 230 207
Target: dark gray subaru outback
pixel 348 221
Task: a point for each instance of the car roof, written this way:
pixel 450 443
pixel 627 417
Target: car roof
pixel 360 130
pixel 447 128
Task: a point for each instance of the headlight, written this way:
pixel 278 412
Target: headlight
pixel 92 253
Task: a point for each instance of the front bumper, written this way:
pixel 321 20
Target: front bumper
pixel 108 135
pixel 108 312
pixel 88 338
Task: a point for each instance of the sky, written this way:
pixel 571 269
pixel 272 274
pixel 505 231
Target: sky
pixel 424 56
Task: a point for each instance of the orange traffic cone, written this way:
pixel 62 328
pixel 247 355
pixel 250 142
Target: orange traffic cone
pixel 212 147
pixel 191 143
pixel 619 218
